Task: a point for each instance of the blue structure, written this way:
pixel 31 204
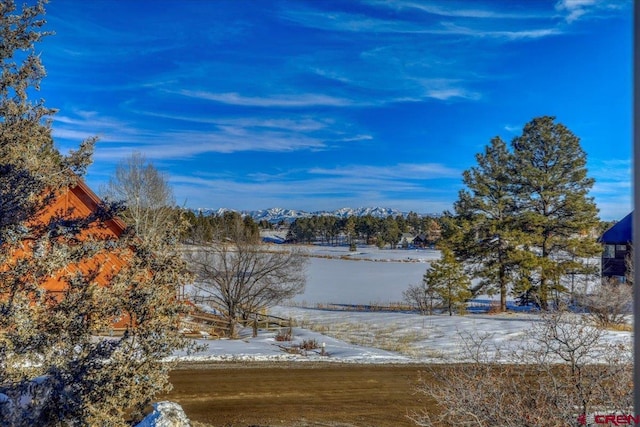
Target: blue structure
pixel 617 242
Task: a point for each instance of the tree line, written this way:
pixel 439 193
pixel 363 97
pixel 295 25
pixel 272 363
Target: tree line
pixel 366 229
pixel 326 229
pixel 212 227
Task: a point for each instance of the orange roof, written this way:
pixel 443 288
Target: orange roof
pixel 79 201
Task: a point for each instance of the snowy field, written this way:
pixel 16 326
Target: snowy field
pixel 378 277
pixel 366 276
pixel 374 337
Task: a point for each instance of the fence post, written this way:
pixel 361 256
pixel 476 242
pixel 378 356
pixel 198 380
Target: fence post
pixel 255 325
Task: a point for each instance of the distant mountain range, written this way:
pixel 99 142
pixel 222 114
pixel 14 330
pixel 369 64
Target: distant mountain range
pixel 289 215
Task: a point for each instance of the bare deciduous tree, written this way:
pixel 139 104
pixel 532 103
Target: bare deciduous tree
pixel 610 303
pixel 149 205
pixel 242 277
pixel 422 296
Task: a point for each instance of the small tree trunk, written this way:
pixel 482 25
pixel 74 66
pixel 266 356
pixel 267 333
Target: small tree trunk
pixel 503 291
pixel 232 327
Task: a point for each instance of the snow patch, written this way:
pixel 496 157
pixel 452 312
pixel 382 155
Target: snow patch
pixel 165 414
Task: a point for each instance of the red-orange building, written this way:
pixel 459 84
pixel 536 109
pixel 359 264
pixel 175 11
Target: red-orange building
pixel 79 201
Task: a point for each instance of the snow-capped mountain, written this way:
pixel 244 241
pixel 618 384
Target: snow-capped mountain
pixel 290 215
pixel 276 214
pixel 376 212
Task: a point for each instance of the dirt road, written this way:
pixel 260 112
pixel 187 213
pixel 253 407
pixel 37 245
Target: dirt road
pixel 238 395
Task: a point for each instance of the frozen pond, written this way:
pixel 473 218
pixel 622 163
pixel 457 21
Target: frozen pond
pixel 380 281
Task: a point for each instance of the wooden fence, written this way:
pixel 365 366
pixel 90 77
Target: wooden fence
pixel 260 321
pixel 203 324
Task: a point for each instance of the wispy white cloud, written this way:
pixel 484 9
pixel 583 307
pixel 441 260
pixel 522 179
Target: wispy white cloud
pixel 456 9
pixel 274 100
pixel 513 128
pixel 187 144
pixel 119 42
pixel 117 142
pixel 348 22
pixel 405 171
pixel 571 10
pixel 393 73
pixel 613 187
pixel 617 171
pixel 297 123
pixel 615 210
pixel 452 93
pixel 574 10
pixel 83 119
pixel 507 34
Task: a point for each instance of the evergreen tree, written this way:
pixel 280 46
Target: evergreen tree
pixel 350 231
pixel 414 222
pixel 432 230
pixel 54 368
pixel 525 218
pixel 366 227
pixel 447 279
pixel 391 231
pixel 555 212
pixel 485 236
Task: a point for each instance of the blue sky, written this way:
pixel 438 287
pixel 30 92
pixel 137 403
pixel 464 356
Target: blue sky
pixel 318 105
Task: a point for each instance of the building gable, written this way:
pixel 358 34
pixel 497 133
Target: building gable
pixel 620 233
pixel 79 201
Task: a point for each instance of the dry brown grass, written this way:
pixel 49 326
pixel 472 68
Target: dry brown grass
pixel 621 327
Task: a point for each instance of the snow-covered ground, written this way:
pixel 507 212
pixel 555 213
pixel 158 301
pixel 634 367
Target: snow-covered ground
pixel 374 337
pixel 379 277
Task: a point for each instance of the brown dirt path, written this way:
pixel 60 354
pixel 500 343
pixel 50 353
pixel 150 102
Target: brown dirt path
pixel 297 394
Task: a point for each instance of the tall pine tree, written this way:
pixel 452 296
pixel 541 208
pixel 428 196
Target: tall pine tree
pixel 485 236
pixel 554 209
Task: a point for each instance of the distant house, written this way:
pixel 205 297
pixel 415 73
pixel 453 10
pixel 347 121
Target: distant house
pixel 617 242
pixel 406 240
pixel 420 241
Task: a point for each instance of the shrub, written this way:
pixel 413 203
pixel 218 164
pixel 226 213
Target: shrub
pixel 284 335
pixel 609 305
pixel 309 345
pixel 552 381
